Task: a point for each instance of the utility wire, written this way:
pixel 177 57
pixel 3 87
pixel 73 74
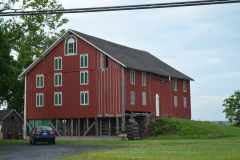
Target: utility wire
pixel 119 8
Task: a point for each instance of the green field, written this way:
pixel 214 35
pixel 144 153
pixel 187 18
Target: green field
pixel 191 140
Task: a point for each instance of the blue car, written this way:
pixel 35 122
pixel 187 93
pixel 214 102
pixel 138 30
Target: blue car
pixel 42 134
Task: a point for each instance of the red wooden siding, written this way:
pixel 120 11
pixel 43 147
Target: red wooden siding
pixel 104 85
pixel 166 96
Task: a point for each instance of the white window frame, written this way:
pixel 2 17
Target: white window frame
pixel 70 54
pixel 58 93
pixel 145 98
pixel 58 63
pixel 185 102
pixel 132 97
pixel 84 98
pixel 39 99
pixel 70 41
pixel 83 55
pixel 184 82
pixel 58 79
pixel 175 101
pixel 144 73
pixel 132 71
pixel 40 75
pixel 84 78
pixel 174 84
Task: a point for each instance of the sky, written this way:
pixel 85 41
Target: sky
pixel 202 42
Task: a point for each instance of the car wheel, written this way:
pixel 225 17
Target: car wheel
pixel 53 142
pixel 30 141
pixel 49 142
pixel 33 142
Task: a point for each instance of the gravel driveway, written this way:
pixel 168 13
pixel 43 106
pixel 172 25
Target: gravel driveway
pixel 44 151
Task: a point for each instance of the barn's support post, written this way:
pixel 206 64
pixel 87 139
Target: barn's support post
pixel 100 126
pixel 61 126
pixel 40 122
pixel 57 124
pixel 87 123
pixel 117 126
pixel 96 126
pixel 25 120
pixel 71 127
pixel 109 127
pixel 64 127
pixel 68 129
pixel 84 125
pixel 78 127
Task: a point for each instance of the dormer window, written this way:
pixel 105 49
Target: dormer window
pixel 71 46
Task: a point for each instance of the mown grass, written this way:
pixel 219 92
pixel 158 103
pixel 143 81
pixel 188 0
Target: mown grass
pixel 192 140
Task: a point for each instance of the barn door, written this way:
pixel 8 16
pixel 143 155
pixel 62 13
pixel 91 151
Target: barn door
pixel 157 105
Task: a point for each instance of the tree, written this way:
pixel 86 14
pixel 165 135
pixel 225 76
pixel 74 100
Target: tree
pixel 232 108
pixel 29 36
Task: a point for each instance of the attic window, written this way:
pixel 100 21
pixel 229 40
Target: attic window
pixel 71 46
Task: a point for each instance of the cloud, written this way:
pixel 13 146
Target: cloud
pixel 215 60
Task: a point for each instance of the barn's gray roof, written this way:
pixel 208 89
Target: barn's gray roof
pixel 133 58
pixel 5 113
pixel 126 56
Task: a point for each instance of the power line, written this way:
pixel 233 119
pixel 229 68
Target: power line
pixel 119 8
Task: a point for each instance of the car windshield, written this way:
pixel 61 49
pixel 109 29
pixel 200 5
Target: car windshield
pixel 41 128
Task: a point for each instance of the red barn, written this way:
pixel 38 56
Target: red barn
pixel 85 81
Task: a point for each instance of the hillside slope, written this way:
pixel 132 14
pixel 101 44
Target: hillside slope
pixel 177 128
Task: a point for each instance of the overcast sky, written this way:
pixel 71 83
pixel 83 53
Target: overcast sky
pixel 202 42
